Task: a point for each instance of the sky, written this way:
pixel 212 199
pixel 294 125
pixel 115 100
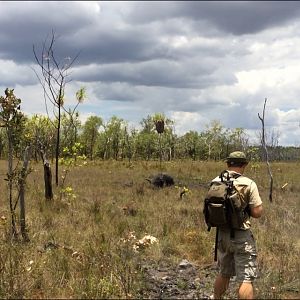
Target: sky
pixel 195 62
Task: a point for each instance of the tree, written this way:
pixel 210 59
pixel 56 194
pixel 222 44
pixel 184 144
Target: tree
pixel 12 119
pixel 53 79
pixel 263 141
pixel 190 142
pixel 146 144
pixel 237 140
pixel 41 132
pixel 146 138
pixel 70 126
pixel 90 134
pixel 214 139
pixel 113 132
pixel 129 143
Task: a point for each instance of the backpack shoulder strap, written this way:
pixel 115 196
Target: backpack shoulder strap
pixel 224 175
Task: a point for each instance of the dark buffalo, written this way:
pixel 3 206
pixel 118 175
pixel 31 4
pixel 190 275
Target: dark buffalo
pixel 161 180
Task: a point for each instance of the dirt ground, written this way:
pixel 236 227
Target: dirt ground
pixel 182 281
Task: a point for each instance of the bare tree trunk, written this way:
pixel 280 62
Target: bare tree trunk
pixel 160 150
pixel 263 140
pixel 57 147
pixel 48 181
pixel 56 160
pixel 22 196
pixel 47 176
pixel 10 184
pixel 92 145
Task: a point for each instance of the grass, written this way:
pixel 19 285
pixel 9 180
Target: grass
pixel 81 247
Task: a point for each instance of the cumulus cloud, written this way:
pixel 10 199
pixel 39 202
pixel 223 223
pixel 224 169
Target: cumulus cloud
pixel 12 74
pixel 235 17
pixel 194 61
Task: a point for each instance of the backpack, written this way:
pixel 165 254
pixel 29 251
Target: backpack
pixel 224 206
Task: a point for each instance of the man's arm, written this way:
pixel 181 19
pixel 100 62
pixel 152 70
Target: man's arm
pixel 256 212
pixel 255 202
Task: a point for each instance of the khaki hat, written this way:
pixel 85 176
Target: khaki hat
pixel 237 156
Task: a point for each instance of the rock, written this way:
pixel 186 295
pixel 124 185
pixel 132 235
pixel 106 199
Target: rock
pixel 185 264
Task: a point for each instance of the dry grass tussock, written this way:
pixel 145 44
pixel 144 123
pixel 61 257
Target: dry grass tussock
pixel 89 244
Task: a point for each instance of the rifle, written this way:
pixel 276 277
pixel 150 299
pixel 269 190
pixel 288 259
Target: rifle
pixel 216 244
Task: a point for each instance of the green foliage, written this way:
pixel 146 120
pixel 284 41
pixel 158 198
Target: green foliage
pixel 11 118
pixel 114 139
pixel 90 135
pixel 71 158
pixel 10 109
pixel 158 117
pixel 81 94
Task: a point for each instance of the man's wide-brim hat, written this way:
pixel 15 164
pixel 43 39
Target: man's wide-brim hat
pixel 237 156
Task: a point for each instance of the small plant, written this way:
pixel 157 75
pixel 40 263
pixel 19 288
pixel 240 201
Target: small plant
pixel 183 192
pixel 71 158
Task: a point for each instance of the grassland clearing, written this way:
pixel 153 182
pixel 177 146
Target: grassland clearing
pixel 82 246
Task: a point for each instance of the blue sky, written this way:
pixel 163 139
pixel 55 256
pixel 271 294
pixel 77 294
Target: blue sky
pixel 193 61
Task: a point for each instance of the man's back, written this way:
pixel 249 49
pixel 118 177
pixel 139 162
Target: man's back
pixel 247 190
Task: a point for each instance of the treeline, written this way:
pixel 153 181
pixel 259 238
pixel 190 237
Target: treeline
pixel 114 139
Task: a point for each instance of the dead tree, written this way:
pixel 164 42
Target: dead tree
pixel 53 79
pixel 263 141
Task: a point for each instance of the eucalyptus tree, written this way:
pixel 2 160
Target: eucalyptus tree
pixel 237 139
pixel 146 139
pixel 42 134
pixel 215 140
pixel 70 126
pixel 40 131
pixel 147 124
pixel 53 77
pixel 146 144
pixel 129 143
pixel 190 143
pixel 156 137
pixel 110 139
pixel 90 134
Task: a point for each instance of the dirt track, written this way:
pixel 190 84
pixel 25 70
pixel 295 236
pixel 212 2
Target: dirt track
pixel 183 281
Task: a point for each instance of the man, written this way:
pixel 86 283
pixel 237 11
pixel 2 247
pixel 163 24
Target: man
pixel 237 253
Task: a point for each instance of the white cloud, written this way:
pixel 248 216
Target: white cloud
pixel 12 74
pixel 186 121
pixel 193 61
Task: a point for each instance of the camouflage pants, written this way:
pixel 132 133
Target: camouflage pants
pixel 237 255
